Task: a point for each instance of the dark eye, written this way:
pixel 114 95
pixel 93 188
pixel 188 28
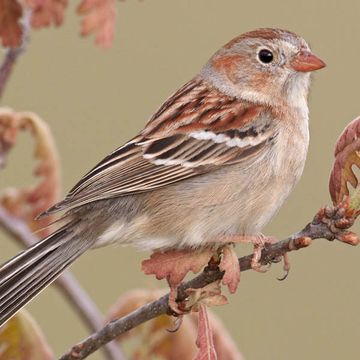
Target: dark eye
pixel 266 56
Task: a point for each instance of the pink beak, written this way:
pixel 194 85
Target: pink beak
pixel 305 61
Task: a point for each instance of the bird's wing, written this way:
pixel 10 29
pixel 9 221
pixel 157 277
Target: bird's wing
pixel 197 130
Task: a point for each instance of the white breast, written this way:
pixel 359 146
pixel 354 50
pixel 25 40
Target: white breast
pixel 254 194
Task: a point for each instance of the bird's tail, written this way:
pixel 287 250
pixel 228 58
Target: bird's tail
pixel 27 274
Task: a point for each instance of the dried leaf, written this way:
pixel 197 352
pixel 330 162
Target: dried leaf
pixel 10 28
pixel 347 154
pixel 205 341
pixel 175 264
pixel 230 264
pixel 47 12
pixel 225 346
pixel 22 339
pixel 28 202
pixel 209 295
pixel 98 17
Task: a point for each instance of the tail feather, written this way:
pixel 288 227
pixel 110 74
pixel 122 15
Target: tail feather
pixel 26 275
pixel 27 257
pixel 33 288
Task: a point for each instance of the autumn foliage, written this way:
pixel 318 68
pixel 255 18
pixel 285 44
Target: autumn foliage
pixel 98 17
pixel 29 201
pixel 347 155
pixel 10 29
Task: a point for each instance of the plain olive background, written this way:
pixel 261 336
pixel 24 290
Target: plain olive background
pixel 95 100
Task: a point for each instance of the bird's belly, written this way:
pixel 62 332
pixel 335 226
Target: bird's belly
pixel 197 213
pixel 239 199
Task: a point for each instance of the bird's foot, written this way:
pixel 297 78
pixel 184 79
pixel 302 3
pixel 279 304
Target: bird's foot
pixel 260 242
pixel 256 264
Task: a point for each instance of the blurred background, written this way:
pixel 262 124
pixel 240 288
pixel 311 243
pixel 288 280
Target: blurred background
pixel 95 100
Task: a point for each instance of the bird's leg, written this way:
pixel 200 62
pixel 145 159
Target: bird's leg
pixel 260 242
pixel 258 247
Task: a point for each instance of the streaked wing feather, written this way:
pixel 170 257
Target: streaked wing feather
pixel 211 130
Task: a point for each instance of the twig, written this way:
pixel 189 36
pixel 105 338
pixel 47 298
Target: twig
pixel 323 226
pixel 12 54
pixel 66 283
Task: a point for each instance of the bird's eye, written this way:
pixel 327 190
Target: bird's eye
pixel 265 56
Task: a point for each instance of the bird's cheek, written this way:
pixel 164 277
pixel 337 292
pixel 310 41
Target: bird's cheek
pixel 262 81
pixel 228 65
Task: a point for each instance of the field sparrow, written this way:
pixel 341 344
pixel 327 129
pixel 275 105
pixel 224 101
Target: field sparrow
pixel 217 159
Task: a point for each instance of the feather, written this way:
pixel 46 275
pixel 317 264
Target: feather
pixel 27 274
pixel 197 130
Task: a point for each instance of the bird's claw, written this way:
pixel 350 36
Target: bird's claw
pixel 177 323
pixel 286 267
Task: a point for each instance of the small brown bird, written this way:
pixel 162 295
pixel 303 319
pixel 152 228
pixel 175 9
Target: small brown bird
pixel 217 159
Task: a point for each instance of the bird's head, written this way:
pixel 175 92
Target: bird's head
pixel 265 66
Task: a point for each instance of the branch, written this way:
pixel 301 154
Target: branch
pixel 12 54
pixel 66 283
pixel 325 225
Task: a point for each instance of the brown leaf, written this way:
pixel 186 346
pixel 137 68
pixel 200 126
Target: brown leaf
pixel 22 339
pixel 347 154
pixel 225 346
pixel 209 295
pixel 98 17
pixel 205 341
pixel 28 202
pixel 10 28
pixel 175 264
pixel 230 264
pixel 47 12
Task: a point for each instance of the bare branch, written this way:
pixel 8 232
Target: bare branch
pixel 323 226
pixel 12 54
pixel 66 283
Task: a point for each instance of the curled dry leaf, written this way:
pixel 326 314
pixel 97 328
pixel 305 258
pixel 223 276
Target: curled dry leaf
pixel 152 339
pixel 47 12
pixel 173 265
pixel 22 339
pixel 347 154
pixel 205 341
pixel 225 346
pixel 10 28
pixel 209 295
pixel 28 202
pixel 98 17
pixel 230 264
